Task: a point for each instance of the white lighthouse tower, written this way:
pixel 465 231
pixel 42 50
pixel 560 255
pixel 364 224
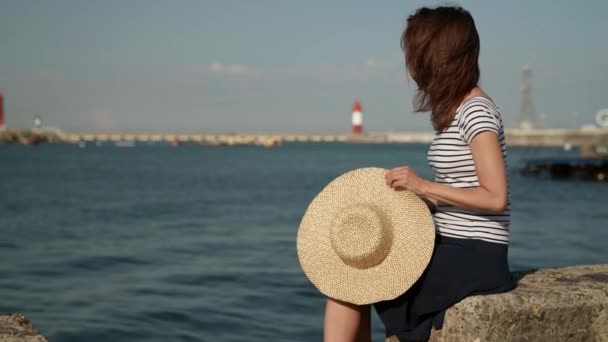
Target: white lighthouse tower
pixel 357 118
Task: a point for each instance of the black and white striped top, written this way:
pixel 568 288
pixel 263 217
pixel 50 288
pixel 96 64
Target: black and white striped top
pixel 450 157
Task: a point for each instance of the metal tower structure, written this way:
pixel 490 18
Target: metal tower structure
pixel 1 110
pixel 527 115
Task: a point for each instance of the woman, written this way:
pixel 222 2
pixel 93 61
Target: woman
pixel 469 196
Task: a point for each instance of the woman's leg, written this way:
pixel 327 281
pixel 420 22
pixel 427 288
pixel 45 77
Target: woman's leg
pixel 345 322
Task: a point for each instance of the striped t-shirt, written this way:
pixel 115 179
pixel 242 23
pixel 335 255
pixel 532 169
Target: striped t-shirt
pixel 450 157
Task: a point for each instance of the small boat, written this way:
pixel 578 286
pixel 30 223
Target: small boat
pixel 270 142
pixel 273 143
pixel 33 141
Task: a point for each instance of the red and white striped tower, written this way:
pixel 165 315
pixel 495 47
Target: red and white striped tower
pixel 357 118
pixel 1 110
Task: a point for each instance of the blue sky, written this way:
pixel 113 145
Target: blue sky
pixel 280 65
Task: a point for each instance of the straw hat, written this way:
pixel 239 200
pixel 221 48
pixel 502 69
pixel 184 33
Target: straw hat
pixel 362 242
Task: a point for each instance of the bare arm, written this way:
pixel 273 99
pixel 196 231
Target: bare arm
pixel 491 195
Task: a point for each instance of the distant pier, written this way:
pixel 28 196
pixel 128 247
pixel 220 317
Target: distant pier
pixel 514 137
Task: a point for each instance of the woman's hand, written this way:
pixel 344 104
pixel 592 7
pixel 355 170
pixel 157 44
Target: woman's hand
pixel 405 178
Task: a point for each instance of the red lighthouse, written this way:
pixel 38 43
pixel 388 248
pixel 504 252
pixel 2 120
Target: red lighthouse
pixel 357 118
pixel 1 110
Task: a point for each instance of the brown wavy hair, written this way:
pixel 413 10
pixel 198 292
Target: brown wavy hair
pixel 441 47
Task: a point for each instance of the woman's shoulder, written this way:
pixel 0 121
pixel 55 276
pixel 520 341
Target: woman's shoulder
pixel 477 114
pixel 477 106
pixel 478 102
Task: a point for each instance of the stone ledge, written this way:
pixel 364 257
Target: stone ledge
pixel 16 328
pixel 563 304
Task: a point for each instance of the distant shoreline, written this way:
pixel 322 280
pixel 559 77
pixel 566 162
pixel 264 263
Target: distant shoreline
pixel 514 137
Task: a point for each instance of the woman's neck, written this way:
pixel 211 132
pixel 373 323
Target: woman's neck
pixel 477 91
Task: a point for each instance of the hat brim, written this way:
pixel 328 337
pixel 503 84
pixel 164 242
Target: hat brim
pixel 410 253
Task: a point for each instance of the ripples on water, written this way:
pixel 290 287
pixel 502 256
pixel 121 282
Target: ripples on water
pixel 198 243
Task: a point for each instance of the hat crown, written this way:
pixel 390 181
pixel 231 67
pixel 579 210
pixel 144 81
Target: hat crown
pixel 361 235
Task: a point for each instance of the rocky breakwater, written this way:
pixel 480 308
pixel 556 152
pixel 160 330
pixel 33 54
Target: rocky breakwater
pixel 562 304
pixel 28 137
pixel 16 328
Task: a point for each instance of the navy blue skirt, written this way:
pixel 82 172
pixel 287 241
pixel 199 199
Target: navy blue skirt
pixel 458 268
